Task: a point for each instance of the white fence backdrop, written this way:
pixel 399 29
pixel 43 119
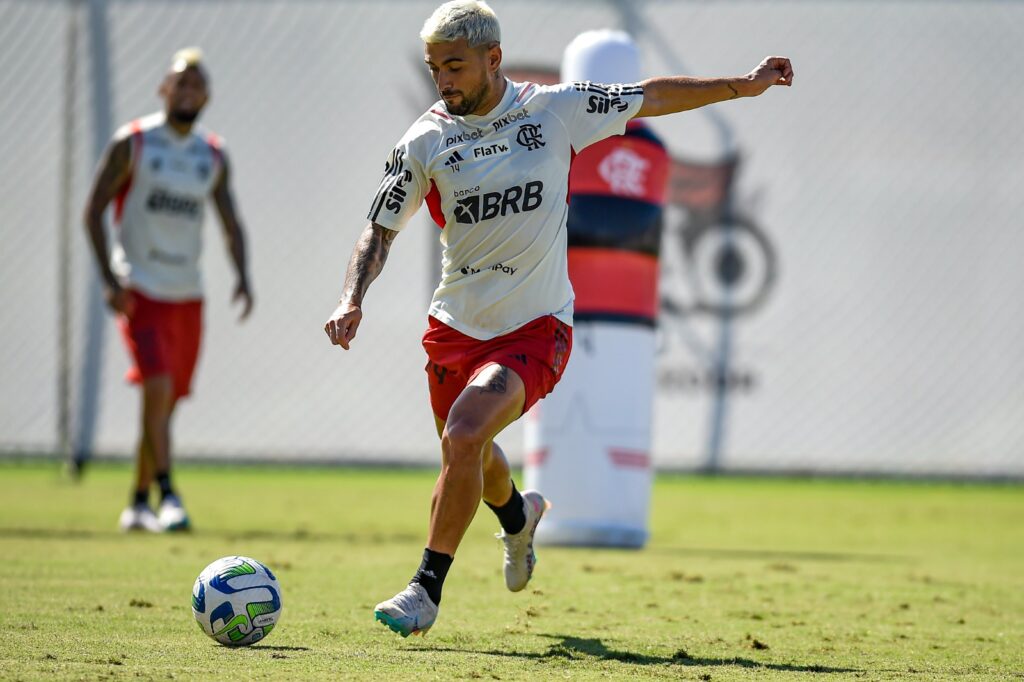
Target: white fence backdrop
pixel 876 230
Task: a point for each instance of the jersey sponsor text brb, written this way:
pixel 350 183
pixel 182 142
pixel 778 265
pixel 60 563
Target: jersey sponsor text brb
pixel 496 185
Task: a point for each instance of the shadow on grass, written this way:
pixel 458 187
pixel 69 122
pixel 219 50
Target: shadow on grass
pixel 774 555
pixel 578 648
pixel 297 535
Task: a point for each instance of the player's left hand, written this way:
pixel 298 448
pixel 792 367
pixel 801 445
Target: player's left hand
pixel 243 294
pixel 771 71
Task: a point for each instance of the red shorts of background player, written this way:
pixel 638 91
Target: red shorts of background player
pixel 537 352
pixel 163 339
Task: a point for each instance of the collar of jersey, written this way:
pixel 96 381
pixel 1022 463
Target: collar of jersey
pixel 499 109
pixel 159 118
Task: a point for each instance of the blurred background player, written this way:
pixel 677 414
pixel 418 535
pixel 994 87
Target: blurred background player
pixel 491 161
pixel 159 171
pixel 589 441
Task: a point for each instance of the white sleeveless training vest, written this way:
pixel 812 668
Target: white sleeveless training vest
pixel 159 214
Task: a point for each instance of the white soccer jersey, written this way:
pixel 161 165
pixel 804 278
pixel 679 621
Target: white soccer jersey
pixel 160 212
pixel 497 186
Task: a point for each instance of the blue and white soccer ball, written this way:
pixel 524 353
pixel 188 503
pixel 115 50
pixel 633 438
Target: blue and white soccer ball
pixel 236 600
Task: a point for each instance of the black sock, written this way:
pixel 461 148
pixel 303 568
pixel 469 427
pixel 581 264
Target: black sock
pixel 432 572
pixel 164 481
pixel 512 514
pixel 140 497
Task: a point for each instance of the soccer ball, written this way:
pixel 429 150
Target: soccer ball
pixel 236 600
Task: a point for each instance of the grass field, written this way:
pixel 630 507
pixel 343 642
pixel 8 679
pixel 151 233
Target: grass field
pixel 744 579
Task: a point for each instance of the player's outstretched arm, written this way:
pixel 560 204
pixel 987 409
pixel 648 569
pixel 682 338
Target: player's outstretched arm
pixel 367 261
pixel 681 93
pixel 234 237
pixel 114 171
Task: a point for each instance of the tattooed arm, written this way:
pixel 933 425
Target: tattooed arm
pixel 368 258
pixel 234 237
pixel 114 171
pixel 680 93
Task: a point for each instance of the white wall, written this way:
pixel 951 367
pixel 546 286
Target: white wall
pixel 888 181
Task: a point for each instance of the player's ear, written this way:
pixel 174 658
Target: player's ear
pixel 494 57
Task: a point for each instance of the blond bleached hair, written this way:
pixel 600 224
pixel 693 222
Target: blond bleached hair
pixel 186 58
pixel 473 20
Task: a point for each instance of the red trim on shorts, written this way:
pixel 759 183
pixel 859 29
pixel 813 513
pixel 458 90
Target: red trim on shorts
pixel 434 205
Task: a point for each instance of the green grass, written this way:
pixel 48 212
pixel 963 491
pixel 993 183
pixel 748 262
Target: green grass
pixel 743 579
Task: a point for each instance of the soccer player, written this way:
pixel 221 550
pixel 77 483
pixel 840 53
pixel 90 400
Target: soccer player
pixel 159 171
pixel 491 161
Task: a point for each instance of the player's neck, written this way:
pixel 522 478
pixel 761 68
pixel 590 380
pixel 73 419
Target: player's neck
pixel 497 92
pixel 182 128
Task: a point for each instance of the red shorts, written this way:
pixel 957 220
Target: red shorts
pixel 163 339
pixel 537 352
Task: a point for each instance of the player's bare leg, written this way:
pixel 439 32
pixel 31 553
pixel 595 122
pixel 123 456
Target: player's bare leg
pixel 159 402
pixel 157 406
pixel 152 453
pixel 519 514
pixel 172 513
pixel 497 476
pixel 492 401
pixel 496 472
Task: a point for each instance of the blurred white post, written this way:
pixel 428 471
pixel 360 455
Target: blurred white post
pixel 588 444
pixel 64 261
pixel 101 95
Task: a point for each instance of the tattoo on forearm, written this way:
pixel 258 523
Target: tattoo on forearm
pixel 735 93
pixel 498 383
pixel 367 261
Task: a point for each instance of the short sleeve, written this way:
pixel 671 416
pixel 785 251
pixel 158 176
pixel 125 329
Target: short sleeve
pixel 593 112
pixel 401 190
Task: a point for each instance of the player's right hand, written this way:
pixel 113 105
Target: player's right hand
pixel 771 71
pixel 120 301
pixel 342 324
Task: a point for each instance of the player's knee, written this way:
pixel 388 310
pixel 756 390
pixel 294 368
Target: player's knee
pixel 464 443
pixel 158 391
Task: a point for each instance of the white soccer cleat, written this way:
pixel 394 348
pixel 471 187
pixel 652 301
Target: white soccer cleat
pixel 172 515
pixel 410 612
pixel 139 517
pixel 519 555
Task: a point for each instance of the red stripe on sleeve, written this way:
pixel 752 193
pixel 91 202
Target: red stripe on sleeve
pixel 526 91
pixel 434 204
pixel 136 155
pixel 568 185
pixel 215 145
